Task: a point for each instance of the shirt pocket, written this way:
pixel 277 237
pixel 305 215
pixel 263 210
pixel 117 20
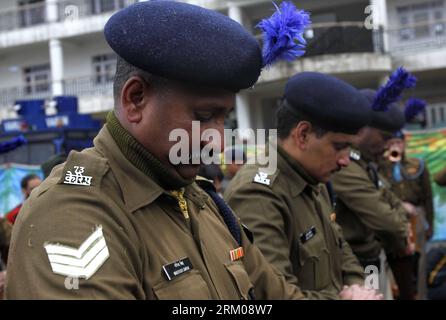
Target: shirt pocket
pixel 314 261
pixel 241 278
pixel 190 286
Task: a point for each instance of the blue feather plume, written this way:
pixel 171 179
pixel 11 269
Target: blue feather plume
pixel 282 32
pixel 413 108
pixel 12 144
pixel 392 90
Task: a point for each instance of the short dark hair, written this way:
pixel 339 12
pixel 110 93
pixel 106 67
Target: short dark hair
pixel 26 179
pixel 125 70
pixel 287 119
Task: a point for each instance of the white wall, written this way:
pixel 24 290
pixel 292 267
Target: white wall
pixel 8 4
pixel 78 55
pixel 18 58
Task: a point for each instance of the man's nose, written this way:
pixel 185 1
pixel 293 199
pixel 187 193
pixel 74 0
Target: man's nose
pixel 344 161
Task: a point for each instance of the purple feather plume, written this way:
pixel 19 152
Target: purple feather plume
pixel 392 90
pixel 413 108
pixel 283 33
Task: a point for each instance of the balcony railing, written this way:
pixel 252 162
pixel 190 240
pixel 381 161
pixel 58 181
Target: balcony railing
pixel 89 85
pixel 23 16
pixel 35 14
pixel 76 9
pixel 341 37
pixel 420 36
pixel 36 90
pixel 95 85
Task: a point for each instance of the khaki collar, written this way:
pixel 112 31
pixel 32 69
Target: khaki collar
pixel 138 189
pixel 299 183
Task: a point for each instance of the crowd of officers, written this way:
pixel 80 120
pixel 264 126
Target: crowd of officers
pixel 331 222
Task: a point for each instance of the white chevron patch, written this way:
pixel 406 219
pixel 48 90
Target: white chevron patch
pixel 82 262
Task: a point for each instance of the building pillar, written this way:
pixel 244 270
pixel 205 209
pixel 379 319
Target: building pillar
pixel 380 18
pixel 243 116
pixel 51 11
pixel 56 59
pixel 235 12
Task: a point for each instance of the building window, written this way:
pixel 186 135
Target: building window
pixel 31 12
pixel 37 79
pixel 104 68
pixel 421 21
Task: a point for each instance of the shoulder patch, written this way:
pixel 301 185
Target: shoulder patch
pixel 83 169
pixel 262 178
pixel 82 262
pixel 355 155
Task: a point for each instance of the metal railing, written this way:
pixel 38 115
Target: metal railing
pixel 23 16
pixel 436 115
pixel 77 9
pixel 341 37
pixel 94 85
pixel 36 90
pixel 35 14
pixel 89 85
pixel 420 36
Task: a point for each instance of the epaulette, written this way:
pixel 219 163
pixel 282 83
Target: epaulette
pixel 264 178
pixel 83 169
pixel 355 154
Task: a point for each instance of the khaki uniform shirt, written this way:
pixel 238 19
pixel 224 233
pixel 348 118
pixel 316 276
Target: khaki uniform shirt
pixel 417 191
pixel 370 215
pixel 146 238
pixel 294 227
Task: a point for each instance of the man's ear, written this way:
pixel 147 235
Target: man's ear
pixel 134 98
pixel 301 134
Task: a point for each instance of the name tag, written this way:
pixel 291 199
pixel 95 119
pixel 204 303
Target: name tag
pixel 177 268
pixel 304 237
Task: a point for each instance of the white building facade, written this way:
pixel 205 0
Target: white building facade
pixel 56 47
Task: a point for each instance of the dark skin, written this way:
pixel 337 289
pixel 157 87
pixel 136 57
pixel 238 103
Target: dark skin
pixel 150 114
pixel 372 141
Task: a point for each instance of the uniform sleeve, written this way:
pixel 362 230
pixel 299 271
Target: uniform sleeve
pixel 352 271
pixel 263 212
pixel 428 199
pixel 270 283
pixel 380 210
pixel 66 217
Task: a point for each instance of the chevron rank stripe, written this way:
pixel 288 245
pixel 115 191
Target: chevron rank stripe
pixel 82 262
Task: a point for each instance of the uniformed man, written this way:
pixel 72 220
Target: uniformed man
pixel 119 220
pixel 290 212
pixel 371 216
pixel 410 181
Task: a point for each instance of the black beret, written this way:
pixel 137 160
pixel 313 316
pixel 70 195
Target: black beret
pixel 391 120
pixel 185 42
pixel 328 102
